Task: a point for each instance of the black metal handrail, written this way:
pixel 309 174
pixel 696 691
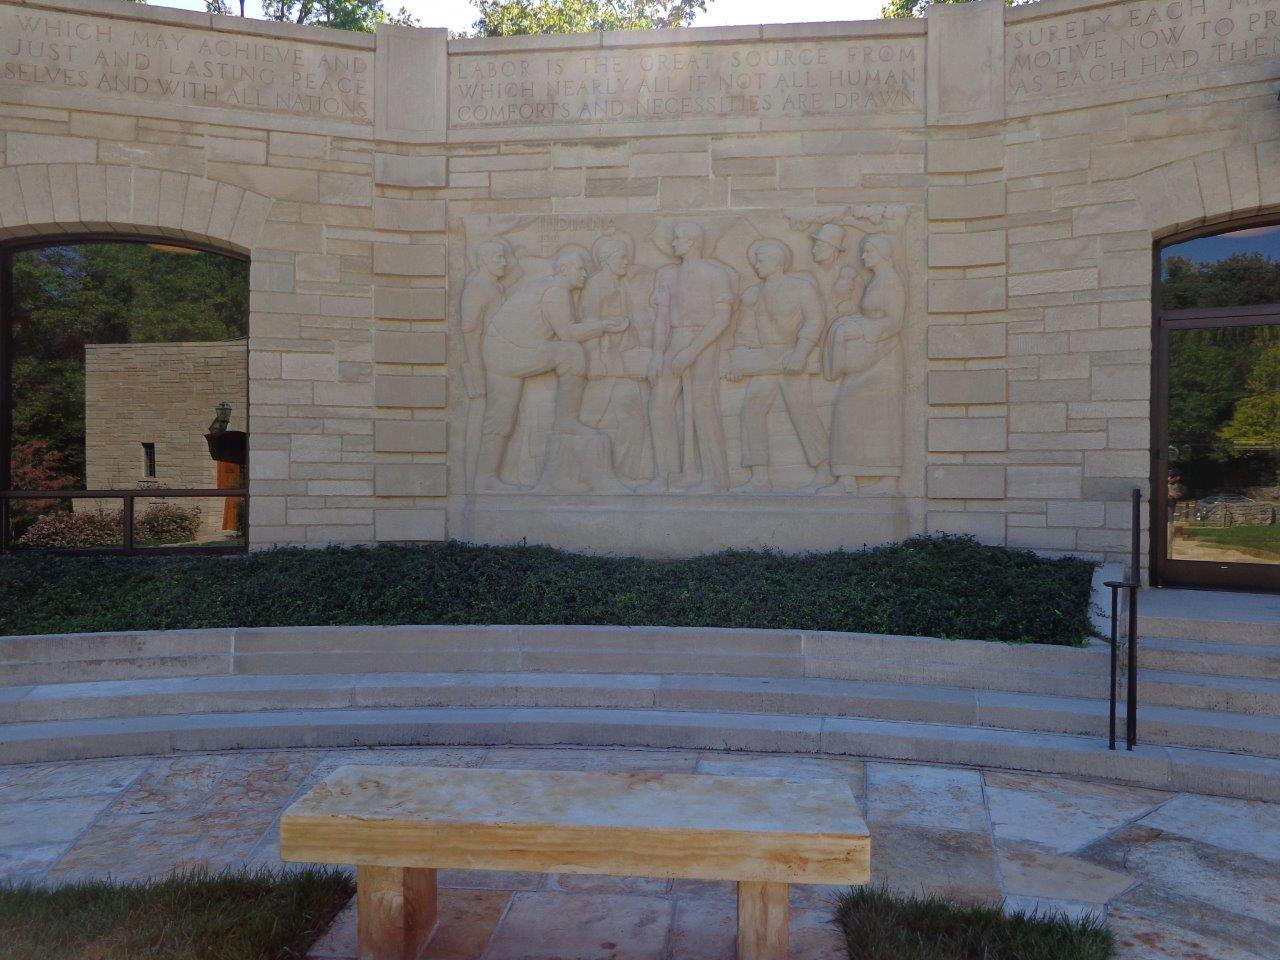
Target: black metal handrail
pixel 1130 584
pixel 128 497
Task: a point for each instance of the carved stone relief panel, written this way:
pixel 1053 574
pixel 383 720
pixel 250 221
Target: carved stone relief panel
pixel 753 352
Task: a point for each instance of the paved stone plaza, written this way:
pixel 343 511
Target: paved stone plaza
pixel 1177 875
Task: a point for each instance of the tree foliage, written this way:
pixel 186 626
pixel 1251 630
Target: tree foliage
pixel 361 15
pixel 1240 280
pixel 902 9
pixel 1255 421
pixel 509 18
pixel 1224 382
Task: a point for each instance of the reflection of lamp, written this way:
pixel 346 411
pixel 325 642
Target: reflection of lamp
pixel 221 419
pixel 226 446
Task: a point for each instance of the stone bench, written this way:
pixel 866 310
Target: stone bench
pixel 399 825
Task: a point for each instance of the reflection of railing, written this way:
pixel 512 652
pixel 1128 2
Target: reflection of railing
pixel 1130 584
pixel 1239 514
pixel 127 497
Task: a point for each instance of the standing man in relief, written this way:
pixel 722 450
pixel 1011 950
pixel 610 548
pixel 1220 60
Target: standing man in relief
pixel 693 303
pixel 482 293
pixel 826 246
pixel 791 319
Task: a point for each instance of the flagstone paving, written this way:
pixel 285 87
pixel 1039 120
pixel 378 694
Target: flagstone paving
pixel 1178 876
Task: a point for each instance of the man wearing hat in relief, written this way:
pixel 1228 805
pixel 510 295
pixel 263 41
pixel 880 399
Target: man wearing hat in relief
pixel 827 243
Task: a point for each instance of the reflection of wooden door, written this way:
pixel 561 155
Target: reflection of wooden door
pixel 230 478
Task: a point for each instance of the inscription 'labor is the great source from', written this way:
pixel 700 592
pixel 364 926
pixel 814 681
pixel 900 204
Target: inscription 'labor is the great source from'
pixel 106 57
pixel 742 80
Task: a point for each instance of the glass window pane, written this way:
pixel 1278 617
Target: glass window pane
pixel 1236 269
pixel 130 367
pixel 66 523
pixel 188 522
pixel 1224 445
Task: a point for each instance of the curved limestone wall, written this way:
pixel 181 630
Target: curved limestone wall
pixel 805 286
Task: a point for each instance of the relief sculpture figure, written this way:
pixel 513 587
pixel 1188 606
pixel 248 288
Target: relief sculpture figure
pixel 693 303
pixel 863 352
pixel 535 331
pixel 482 293
pixel 827 246
pixel 614 401
pixel 790 319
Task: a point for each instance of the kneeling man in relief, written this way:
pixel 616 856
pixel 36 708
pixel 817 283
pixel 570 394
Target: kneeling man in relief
pixel 536 331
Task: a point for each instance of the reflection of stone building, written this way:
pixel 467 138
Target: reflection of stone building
pixel 147 408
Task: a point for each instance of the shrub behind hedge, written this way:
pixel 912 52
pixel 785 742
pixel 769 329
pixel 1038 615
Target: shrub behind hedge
pixel 933 586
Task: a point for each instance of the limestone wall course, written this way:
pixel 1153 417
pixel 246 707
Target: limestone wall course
pixel 1034 196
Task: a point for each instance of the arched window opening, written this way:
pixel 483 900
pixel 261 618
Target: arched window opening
pixel 123 397
pixel 1216 416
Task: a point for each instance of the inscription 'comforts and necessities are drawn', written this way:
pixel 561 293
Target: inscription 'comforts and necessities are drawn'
pixel 740 80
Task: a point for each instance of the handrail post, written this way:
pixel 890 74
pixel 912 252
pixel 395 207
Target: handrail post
pixel 128 522
pixel 1115 639
pixel 1131 704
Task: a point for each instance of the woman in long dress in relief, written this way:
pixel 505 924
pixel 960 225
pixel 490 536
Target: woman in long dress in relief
pixel 863 351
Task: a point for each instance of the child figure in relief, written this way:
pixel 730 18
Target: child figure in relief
pixel 863 352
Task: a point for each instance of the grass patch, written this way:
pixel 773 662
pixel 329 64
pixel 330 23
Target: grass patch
pixel 1260 539
pixel 242 915
pixel 929 586
pixel 878 926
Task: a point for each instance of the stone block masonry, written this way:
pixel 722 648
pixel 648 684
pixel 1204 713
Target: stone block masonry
pixel 804 286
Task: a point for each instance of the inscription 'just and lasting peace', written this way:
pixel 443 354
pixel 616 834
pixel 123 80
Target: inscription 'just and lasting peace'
pixel 112 58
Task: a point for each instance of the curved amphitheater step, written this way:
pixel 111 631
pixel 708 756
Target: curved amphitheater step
pixel 1209 717
pixel 1171 768
pixel 1250 731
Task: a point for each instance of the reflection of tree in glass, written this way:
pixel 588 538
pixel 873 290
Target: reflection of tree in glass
pixel 1221 383
pixel 1242 279
pixel 1255 422
pixel 67 296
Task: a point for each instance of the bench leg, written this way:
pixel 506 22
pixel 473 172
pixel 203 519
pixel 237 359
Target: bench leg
pixel 395 911
pixel 763 915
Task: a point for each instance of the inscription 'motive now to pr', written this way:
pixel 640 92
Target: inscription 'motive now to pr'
pixel 1138 42
pixel 742 80
pixel 107 57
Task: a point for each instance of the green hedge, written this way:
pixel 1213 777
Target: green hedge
pixel 930 586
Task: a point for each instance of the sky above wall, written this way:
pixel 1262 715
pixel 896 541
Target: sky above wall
pixel 460 14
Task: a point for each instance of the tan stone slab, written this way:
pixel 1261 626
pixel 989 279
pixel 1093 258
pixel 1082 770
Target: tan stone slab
pixel 651 824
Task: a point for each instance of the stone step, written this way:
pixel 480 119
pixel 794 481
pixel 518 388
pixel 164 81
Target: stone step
pixel 554 649
pixel 1178 726
pixel 1217 616
pixel 1209 692
pixel 1259 661
pixel 1169 768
